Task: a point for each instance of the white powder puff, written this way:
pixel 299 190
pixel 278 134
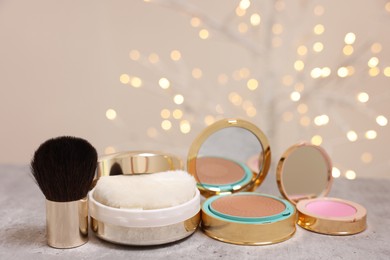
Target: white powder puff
pixel 146 191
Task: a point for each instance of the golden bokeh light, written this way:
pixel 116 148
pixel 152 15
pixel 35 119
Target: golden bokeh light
pixel 316 73
pixel 350 175
pixel 243 27
pixel 373 62
pixel 386 71
pixel 175 55
pixel 318 46
pixel 164 83
pixel 336 173
pixel 373 72
pixel 177 114
pixel 195 22
pixel 154 58
pixel 244 4
pixel 319 29
pixel 295 96
pixel 302 50
pixel 178 99
pixel 134 55
pixel 223 79
pixel 381 120
pixel 371 134
pixel 255 19
pixel 350 38
pixel 124 78
pixel 166 125
pixel 185 126
pixel 319 10
pixel 342 72
pixel 111 114
pixel 277 29
pixel 376 47
pixel 316 140
pixel 348 50
pixel 165 113
pixel 204 34
pixel 244 73
pixel 136 82
pixel 352 136
pixel 197 73
pixel 363 97
pixel 321 120
pixel 302 108
pixel 252 84
pixel 299 65
pixel 209 119
pixel 366 157
pixel 305 121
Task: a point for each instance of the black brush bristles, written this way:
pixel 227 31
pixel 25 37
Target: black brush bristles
pixel 64 168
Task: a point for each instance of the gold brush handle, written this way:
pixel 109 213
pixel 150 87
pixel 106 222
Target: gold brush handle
pixel 67 223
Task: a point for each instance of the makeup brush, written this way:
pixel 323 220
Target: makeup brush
pixel 64 168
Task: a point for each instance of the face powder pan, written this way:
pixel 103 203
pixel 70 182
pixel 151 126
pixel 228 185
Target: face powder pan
pixel 232 212
pixel 304 164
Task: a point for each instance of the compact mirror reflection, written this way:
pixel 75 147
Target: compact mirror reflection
pixel 304 172
pixel 223 158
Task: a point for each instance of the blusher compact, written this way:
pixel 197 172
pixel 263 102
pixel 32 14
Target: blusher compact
pixel 232 212
pixel 304 177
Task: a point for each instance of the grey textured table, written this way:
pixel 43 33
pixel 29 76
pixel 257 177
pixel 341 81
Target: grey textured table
pixel 22 229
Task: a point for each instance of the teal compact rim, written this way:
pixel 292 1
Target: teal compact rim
pixel 286 213
pixel 248 174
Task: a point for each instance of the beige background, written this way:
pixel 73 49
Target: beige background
pixel 60 64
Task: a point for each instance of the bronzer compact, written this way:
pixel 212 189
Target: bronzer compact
pixel 304 177
pixel 143 198
pixel 233 213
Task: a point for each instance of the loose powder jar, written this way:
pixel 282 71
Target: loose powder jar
pixel 143 198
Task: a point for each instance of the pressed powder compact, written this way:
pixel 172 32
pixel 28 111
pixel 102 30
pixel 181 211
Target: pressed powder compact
pixel 304 177
pixel 233 213
pixel 143 198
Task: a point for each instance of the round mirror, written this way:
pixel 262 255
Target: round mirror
pixel 304 172
pixel 219 156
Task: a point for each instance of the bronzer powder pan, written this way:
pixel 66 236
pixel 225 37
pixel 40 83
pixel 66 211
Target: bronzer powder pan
pixel 248 218
pixel 304 177
pixel 232 212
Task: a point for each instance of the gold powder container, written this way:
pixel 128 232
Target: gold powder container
pixel 142 227
pixel 233 213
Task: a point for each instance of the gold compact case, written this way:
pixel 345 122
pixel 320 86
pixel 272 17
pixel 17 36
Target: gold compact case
pixel 233 212
pixel 304 177
pixel 142 226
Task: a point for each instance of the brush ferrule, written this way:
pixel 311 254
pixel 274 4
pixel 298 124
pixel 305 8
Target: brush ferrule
pixel 67 223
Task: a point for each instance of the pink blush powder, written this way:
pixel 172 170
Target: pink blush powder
pixel 330 208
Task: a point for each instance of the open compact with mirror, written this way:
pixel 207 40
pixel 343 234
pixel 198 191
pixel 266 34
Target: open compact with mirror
pixel 304 177
pixel 233 213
